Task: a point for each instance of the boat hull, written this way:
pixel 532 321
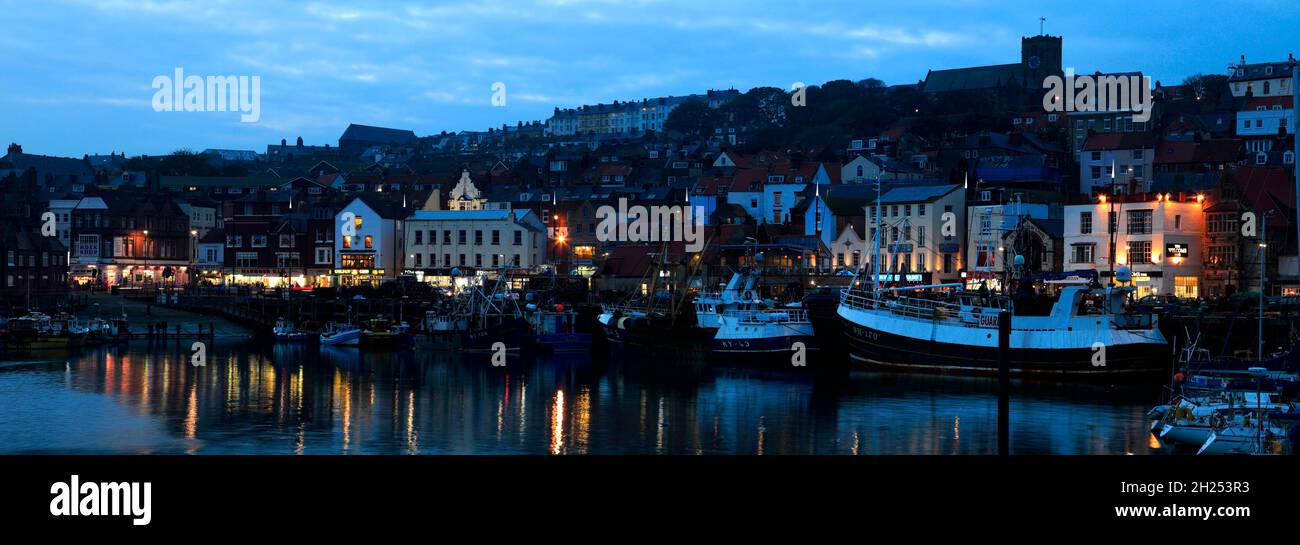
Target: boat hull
pixel 347 338
pixel 510 333
pixel 563 342
pixel 876 347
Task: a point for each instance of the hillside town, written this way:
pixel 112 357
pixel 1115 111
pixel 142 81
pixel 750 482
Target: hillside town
pixel 967 171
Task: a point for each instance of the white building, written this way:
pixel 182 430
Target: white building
pixel 62 210
pixel 1265 79
pixel 865 169
pixel 922 229
pixel 1266 117
pixel 1159 239
pixel 369 241
pixel 849 250
pixel 441 240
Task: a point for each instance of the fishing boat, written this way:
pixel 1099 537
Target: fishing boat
pixel 738 294
pixel 286 331
pixel 493 318
pixel 648 321
pixel 1088 331
pixel 337 334
pixel 778 332
pixel 554 331
pixel 38 331
pixel 382 333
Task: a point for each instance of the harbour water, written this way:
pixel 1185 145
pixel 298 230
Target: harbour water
pixel 257 398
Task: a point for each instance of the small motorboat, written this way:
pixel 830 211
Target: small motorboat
pixel 286 331
pixel 336 334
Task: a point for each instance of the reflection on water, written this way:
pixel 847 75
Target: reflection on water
pixel 252 398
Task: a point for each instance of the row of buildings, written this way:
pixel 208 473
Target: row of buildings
pixel 1198 200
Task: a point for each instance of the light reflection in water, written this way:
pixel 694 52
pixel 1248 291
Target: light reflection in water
pixel 557 423
pixel 303 401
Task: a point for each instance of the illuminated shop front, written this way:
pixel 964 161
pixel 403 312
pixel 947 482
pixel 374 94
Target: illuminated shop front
pixel 129 275
pixel 269 278
pixel 358 268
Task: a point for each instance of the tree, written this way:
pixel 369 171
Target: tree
pixel 691 118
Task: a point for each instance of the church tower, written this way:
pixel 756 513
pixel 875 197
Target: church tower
pixel 1040 56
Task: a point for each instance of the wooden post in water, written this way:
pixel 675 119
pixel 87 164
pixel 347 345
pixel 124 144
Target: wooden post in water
pixel 1004 381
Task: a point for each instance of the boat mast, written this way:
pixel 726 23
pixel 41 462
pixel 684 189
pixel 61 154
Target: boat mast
pixel 1295 135
pixel 1112 222
pixel 875 261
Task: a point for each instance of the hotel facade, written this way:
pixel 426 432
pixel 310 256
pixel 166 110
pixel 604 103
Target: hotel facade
pixel 1158 237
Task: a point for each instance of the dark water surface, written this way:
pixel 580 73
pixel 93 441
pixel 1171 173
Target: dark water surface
pixel 255 398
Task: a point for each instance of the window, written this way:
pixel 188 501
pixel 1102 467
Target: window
pixel 519 238
pixel 419 237
pixel 984 255
pixel 478 260
pixel 1178 221
pixel 370 242
pixel 446 260
pixel 1139 222
pixel 986 223
pixel 286 241
pixel 1082 253
pixel 1096 172
pixel 1221 255
pixel 920 236
pixel 234 241
pixel 324 256
pixel 245 259
pixel 496 237
pixel 1085 223
pixel 1139 251
pixel 460 238
pixel 257 241
pixel 1221 223
pixel 478 237
pixel 286 259
pixel 347 242
pixel 419 260
pixel 446 237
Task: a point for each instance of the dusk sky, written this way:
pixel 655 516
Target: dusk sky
pixel 77 74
